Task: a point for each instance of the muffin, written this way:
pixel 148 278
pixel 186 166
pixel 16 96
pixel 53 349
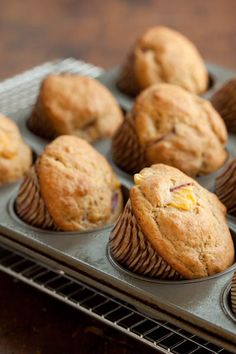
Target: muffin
pixel 74 105
pixel 225 187
pixel 224 101
pixel 71 187
pixel 169 125
pixel 233 294
pixel 171 228
pixel 163 55
pixel 15 155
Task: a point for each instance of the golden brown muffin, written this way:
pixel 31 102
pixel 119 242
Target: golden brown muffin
pixel 225 187
pixel 163 55
pixel 15 155
pixel 74 105
pixel 170 125
pixel 172 228
pixel 233 294
pixel 224 101
pixel 71 187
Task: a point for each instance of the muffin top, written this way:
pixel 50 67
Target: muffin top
pixel 76 183
pixel 77 105
pixel 184 222
pixel 15 155
pixel 180 129
pixel 164 55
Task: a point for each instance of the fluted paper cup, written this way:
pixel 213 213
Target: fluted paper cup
pixel 131 249
pixel 30 206
pixel 127 82
pixel 39 124
pixel 127 153
pixel 233 294
pixel 225 187
pixel 224 101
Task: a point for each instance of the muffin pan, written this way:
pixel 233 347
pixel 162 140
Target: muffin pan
pixel 197 303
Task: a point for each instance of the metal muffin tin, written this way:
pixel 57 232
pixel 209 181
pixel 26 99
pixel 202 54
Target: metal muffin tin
pixel 195 305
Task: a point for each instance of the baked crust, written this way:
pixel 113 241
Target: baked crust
pixel 163 55
pixel 15 155
pixel 179 129
pixel 75 105
pixel 194 241
pixel 77 184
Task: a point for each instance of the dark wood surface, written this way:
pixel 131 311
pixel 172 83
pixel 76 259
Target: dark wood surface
pixel 32 32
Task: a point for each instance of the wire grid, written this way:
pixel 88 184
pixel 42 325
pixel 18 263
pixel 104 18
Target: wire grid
pixel 161 335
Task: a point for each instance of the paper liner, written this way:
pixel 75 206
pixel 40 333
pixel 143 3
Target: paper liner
pixel 30 206
pixel 225 187
pixel 224 101
pixel 127 82
pixel 233 294
pixel 127 152
pixel 131 249
pixel 39 124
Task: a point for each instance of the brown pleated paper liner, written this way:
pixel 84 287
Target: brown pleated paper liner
pixel 224 101
pixel 30 206
pixel 39 124
pixel 127 82
pixel 133 251
pixel 233 294
pixel 127 152
pixel 225 187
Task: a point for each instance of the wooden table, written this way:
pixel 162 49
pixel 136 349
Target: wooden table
pixel 100 32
